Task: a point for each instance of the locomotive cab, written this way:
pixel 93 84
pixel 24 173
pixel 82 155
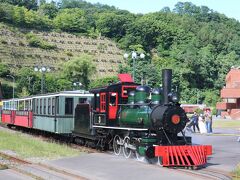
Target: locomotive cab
pixel 107 100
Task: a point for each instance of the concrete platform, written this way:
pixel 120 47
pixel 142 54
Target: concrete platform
pixel 102 166
pixel 226 150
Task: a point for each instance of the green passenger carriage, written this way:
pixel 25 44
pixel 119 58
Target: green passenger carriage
pixel 55 112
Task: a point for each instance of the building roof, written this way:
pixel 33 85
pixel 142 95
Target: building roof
pixel 233 78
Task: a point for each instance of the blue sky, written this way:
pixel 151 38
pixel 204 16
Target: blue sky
pixel 230 8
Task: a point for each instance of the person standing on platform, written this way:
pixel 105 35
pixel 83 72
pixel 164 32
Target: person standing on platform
pixel 208 119
pixel 202 125
pixel 195 121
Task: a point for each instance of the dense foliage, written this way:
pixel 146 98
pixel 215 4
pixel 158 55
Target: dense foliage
pixel 80 69
pixel 199 44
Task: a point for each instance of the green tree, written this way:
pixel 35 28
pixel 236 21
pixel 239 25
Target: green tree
pixel 101 82
pixel 25 78
pixel 29 4
pixel 24 92
pixel 19 15
pixel 211 97
pixel 4 71
pixel 72 20
pixel 112 25
pixel 48 9
pixel 80 69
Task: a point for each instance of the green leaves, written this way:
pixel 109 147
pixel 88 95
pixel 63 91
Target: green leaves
pixel 79 69
pixel 72 20
pixel 112 25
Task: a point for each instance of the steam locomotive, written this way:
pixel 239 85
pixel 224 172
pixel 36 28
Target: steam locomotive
pixel 125 116
pixel 136 119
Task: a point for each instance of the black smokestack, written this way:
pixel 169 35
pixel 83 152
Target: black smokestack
pixel 167 84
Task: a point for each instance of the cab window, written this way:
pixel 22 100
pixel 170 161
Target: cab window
pixel 112 99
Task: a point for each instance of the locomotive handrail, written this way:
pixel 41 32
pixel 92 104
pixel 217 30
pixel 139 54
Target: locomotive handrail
pixel 136 104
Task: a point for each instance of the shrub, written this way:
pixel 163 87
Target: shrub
pixel 69 53
pixel 35 41
pixel 21 43
pixel 3 41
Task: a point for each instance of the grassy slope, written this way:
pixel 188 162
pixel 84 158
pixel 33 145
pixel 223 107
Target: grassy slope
pixel 28 147
pixel 13 43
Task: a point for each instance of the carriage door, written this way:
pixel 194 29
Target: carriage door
pixel 113 105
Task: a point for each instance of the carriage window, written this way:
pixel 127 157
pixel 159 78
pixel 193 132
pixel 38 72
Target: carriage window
pixel 26 105
pixel 57 105
pixel 20 105
pixel 37 106
pixel 69 106
pixel 44 105
pixel 53 106
pixel 31 104
pixel 34 106
pixel 40 106
pixel 49 105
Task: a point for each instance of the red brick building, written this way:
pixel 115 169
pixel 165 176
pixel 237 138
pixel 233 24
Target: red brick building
pixel 230 94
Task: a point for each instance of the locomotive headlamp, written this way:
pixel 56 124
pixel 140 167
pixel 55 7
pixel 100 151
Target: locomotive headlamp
pixel 175 119
pixel 173 97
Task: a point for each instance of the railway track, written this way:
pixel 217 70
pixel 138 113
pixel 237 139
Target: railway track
pixel 210 174
pixel 37 170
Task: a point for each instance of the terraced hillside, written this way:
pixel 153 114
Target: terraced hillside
pixel 16 51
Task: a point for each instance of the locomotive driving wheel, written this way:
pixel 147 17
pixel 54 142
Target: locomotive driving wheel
pixel 117 144
pixel 127 152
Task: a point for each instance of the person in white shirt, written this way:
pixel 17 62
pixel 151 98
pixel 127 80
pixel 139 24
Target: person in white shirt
pixel 201 124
